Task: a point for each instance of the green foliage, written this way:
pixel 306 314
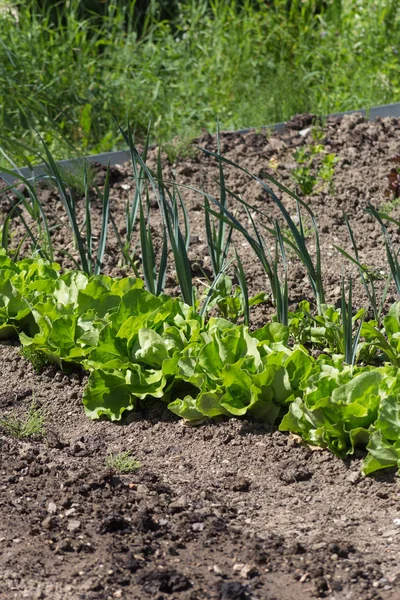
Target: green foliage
pixel 123 462
pixel 138 347
pixel 332 330
pixel 30 425
pixel 232 302
pixel 369 276
pixel 316 167
pixel 87 258
pixel 68 71
pixel 37 359
pixel 258 244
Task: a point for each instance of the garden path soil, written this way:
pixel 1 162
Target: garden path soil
pixel 226 510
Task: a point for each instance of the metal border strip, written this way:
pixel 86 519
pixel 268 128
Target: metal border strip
pixel 121 156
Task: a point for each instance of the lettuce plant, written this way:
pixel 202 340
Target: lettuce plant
pixel 140 348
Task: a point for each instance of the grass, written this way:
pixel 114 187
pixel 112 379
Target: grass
pixel 27 426
pixel 69 74
pixel 123 462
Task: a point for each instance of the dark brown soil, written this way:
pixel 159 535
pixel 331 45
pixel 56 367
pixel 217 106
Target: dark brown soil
pixel 228 510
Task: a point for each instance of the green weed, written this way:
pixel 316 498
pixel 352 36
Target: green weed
pixel 123 462
pixel 316 168
pixel 30 425
pixel 37 359
pixel 179 147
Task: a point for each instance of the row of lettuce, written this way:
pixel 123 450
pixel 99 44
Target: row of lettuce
pixel 139 348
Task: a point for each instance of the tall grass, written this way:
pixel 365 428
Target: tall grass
pixel 71 73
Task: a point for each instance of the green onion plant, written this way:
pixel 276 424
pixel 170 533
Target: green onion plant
pixel 40 241
pixel 350 343
pixel 218 239
pixel 241 277
pixel 300 244
pixel 391 253
pixel 367 276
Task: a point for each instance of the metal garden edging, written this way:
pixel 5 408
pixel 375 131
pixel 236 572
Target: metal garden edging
pixel 121 156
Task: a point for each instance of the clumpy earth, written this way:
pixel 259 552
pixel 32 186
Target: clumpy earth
pixel 230 509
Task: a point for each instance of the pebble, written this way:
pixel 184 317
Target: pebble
pixel 275 145
pixel 63 546
pixel 52 508
pixel 249 571
pixel 73 525
pixel 217 570
pixel 48 523
pixel 198 526
pixel 353 477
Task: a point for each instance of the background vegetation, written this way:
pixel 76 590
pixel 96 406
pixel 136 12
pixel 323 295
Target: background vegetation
pixel 69 68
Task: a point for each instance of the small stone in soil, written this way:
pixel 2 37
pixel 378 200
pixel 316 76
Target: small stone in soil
pixel 74 525
pixel 52 508
pixel 233 590
pixel 63 546
pixel 49 523
pixel 242 485
pixel 249 571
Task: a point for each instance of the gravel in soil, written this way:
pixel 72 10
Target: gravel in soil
pixel 226 510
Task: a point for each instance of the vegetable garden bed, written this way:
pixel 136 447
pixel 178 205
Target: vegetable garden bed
pixel 233 508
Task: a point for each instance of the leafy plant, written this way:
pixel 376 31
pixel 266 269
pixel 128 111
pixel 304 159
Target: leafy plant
pixel 391 253
pixel 233 302
pixel 331 330
pixel 350 342
pixel 138 347
pixel 258 244
pixel 84 246
pixel 308 175
pixel 385 339
pixel 302 175
pixel 42 242
pixel 218 238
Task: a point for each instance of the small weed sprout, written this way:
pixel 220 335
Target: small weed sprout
pixel 123 462
pixel 307 175
pixel 181 147
pixel 32 425
pixel 37 359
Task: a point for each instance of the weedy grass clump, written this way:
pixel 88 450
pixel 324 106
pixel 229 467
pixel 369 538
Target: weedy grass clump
pixel 32 424
pixel 123 462
pixel 37 359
